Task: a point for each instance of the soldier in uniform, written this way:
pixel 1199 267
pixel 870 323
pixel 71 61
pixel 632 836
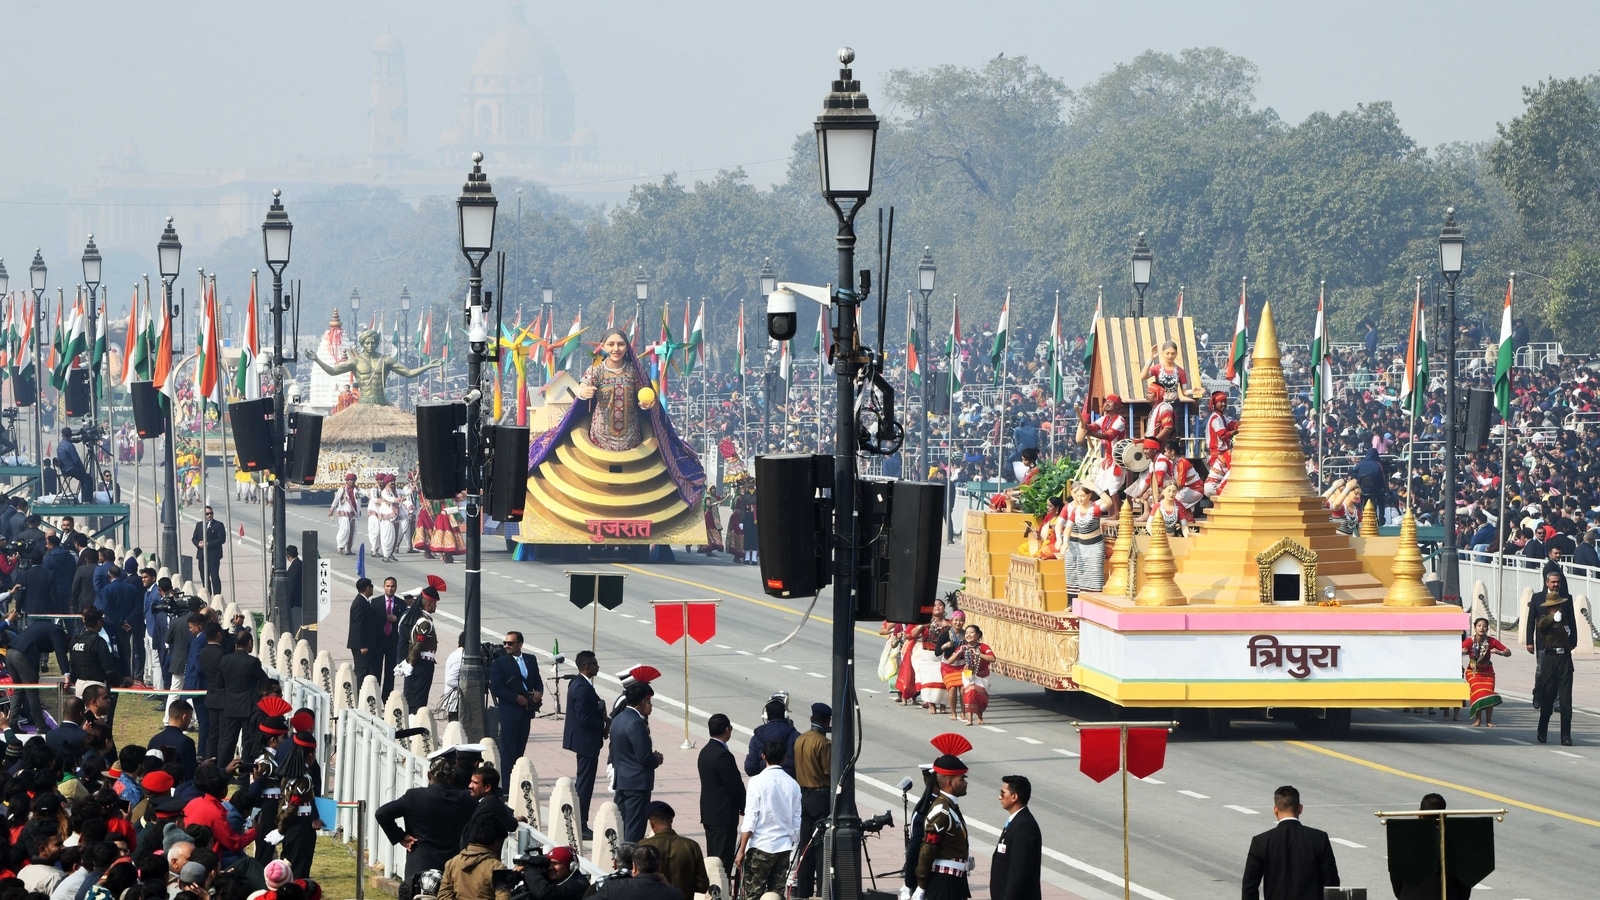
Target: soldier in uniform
pixel 422 648
pixel 344 507
pixel 943 862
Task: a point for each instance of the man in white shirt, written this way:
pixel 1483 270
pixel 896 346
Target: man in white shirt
pixel 452 679
pixel 771 825
pixel 43 844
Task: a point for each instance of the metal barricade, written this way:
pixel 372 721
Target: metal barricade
pixel 1534 356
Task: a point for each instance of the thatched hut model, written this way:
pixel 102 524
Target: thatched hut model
pixel 367 440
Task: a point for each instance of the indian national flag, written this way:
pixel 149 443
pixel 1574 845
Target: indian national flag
pixel 75 342
pixel 207 384
pixel 823 339
pixel 570 342
pixel 1414 386
pixel 1054 358
pixel 953 347
pixel 27 380
pixel 998 352
pixel 247 377
pixel 694 353
pixel 130 347
pixel 913 358
pixel 1503 358
pixel 1322 357
pixel 1239 355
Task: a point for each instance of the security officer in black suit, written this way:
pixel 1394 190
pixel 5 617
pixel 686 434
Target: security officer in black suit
pixel 364 634
pixel 518 690
pixel 1014 872
pixel 1296 862
pixel 241 675
pixel 721 792
pixel 584 731
pixel 209 538
pixel 434 819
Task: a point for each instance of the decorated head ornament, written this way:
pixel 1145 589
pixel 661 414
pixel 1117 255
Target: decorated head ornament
pixel 274 706
pixel 1113 399
pixel 950 746
pixel 1219 399
pixel 1156 393
pixel 349 476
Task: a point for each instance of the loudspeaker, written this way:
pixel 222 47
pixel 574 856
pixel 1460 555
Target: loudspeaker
pixel 254 437
pixel 442 449
pixel 25 389
pixel 508 472
pixel 1474 430
pixel 916 518
pixel 793 532
pixel 873 500
pixel 305 442
pixel 149 419
pixel 77 393
pixel 939 395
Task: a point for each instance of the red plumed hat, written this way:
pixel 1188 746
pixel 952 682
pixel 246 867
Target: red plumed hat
pixel 274 706
pixel 641 674
pixel 436 583
pixel 950 746
pixel 304 720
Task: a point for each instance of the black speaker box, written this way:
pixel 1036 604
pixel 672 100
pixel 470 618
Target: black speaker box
pixel 794 523
pixel 508 472
pixel 77 393
pixel 305 443
pixel 873 502
pixel 1474 430
pixel 442 449
pixel 916 519
pixel 25 389
pixel 939 394
pixel 149 415
pixel 253 433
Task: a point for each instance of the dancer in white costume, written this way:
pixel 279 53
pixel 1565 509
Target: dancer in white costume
pixel 344 507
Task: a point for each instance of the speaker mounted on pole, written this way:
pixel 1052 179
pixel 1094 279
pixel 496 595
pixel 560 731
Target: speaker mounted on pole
pixel 793 533
pixel 508 472
pixel 305 443
pixel 149 418
pixel 442 449
pixel 254 434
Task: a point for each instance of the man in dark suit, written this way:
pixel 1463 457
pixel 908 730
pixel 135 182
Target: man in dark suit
pixel 210 659
pixel 1018 856
pixel 208 539
pixel 241 675
pixel 1296 862
pixel 292 573
pixel 484 789
pixel 389 607
pixel 362 641
pixel 721 792
pixel 434 819
pixel 584 732
pixel 517 689
pixel 633 759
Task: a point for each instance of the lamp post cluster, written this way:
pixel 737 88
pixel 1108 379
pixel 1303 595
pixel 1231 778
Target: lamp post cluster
pixel 926 274
pixel 277 235
pixel 1451 249
pixel 169 254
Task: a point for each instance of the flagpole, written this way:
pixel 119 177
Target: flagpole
pixel 1000 401
pixel 227 495
pixel 688 742
pixel 1505 460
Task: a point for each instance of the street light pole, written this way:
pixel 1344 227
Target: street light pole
pixel 769 283
pixel 169 252
pixel 926 273
pixel 277 233
pixel 91 278
pixel 1142 260
pixel 847 133
pixel 547 294
pixel 1451 247
pixel 475 210
pixel 37 274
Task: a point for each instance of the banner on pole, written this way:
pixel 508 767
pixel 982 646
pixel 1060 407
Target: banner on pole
pixel 1147 751
pixel 1100 752
pixel 675 618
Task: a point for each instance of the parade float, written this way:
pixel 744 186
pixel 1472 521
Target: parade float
pixel 1264 605
pixel 368 436
pixel 607 467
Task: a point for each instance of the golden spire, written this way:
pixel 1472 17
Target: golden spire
pixel 1407 588
pixel 1156 585
pixel 1267 461
pixel 1117 566
pixel 1369 520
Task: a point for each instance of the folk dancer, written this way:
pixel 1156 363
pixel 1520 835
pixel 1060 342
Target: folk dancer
pixel 1183 474
pixel 1220 431
pixel 1111 427
pixel 1085 544
pixel 406 518
pixel 422 649
pixel 380 517
pixel 1158 428
pixel 943 860
pixel 344 507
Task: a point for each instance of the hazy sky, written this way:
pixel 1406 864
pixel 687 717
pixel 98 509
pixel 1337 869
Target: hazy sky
pixel 696 86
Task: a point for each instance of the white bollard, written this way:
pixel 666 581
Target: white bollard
pixel 368 701
pixel 564 814
pixel 453 735
pixel 344 684
pixel 301 667
pixel 267 647
pixel 394 711
pixel 421 744
pixel 322 671
pixel 607 836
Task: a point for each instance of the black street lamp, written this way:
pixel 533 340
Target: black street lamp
pixel 277 235
pixel 169 253
pixel 91 279
pixel 36 280
pixel 475 210
pixel 1451 247
pixel 405 324
pixel 355 311
pixel 769 283
pixel 847 137
pixel 1142 260
pixel 641 293
pixel 227 316
pixel 926 273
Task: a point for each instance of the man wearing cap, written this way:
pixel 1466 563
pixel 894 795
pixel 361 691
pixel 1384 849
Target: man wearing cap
pixel 422 653
pixel 634 759
pixel 771 826
pixel 942 862
pixel 811 755
pixel 517 689
pixel 434 819
pixel 265 782
pixel 681 861
pixel 344 507
pixel 777 727
pixel 584 732
pixel 560 880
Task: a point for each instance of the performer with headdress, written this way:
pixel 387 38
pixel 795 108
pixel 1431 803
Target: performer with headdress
pixel 1111 427
pixel 273 728
pixel 301 780
pixel 346 504
pixel 944 860
pixel 384 507
pixel 1085 544
pixel 1220 431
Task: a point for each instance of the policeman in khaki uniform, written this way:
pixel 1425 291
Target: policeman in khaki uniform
pixel 812 755
pixel 944 860
pixel 422 649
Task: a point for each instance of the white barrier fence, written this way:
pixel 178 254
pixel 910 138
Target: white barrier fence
pixel 1505 584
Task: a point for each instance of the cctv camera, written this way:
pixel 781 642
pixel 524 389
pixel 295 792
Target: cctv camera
pixel 780 315
pixel 474 395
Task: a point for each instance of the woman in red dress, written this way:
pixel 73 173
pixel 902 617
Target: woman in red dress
pixel 1481 649
pixel 975 657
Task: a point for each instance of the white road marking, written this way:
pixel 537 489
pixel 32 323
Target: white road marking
pixel 1344 843
pixel 1066 752
pixel 629 616
pixel 1565 753
pixel 995 729
pixel 792 669
pixel 766 659
pixel 870 691
pixel 1242 809
pixel 816 675
pixel 1028 740
pixel 1195 795
pixel 723 647
pixel 744 653
pixel 1152 781
pixel 1511 740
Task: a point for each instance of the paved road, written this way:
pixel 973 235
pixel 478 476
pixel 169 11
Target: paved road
pixel 1190 823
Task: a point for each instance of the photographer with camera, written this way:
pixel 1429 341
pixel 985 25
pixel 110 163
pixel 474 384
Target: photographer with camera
pixel 554 875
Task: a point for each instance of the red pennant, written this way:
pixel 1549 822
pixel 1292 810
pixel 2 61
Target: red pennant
pixel 1147 751
pixel 669 622
pixel 1100 752
pixel 702 621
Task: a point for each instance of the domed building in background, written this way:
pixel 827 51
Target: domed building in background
pixel 518 106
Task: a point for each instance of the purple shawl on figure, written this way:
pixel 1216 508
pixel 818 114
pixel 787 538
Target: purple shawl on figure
pixel 682 465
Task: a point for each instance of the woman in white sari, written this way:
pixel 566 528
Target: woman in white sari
pixel 925 662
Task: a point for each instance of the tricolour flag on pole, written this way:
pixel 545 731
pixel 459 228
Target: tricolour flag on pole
pixel 571 341
pixel 694 353
pixel 1321 357
pixel 1504 356
pixel 247 378
pixel 998 352
pixel 1414 386
pixel 1239 353
pixel 75 341
pixel 913 356
pixel 1179 313
pixel 952 347
pixel 822 340
pixel 1055 360
pixel 130 347
pixel 207 386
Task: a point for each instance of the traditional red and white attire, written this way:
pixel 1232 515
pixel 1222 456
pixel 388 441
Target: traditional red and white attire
pixel 1085 552
pixel 346 504
pixel 1219 451
pixel 1187 478
pixel 1108 429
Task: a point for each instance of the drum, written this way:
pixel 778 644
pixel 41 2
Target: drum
pixel 1132 455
